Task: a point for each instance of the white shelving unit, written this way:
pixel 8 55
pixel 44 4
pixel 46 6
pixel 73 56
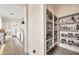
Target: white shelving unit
pixel 55 29
pixel 69 32
pixel 51 30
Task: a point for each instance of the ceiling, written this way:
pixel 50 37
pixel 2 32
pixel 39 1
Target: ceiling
pixel 12 11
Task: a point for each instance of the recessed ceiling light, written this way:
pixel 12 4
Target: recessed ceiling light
pixel 21 18
pixel 11 13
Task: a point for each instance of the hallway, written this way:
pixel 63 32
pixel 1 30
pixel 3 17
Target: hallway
pixel 12 46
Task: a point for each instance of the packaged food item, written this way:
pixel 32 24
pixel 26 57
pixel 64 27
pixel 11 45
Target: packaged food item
pixel 63 40
pixel 76 44
pixel 70 42
pixel 77 26
pixel 70 35
pixel 76 35
pixel 72 18
pixel 76 18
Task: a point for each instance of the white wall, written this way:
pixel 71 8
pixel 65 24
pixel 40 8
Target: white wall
pixel 25 27
pixel 1 23
pixel 36 29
